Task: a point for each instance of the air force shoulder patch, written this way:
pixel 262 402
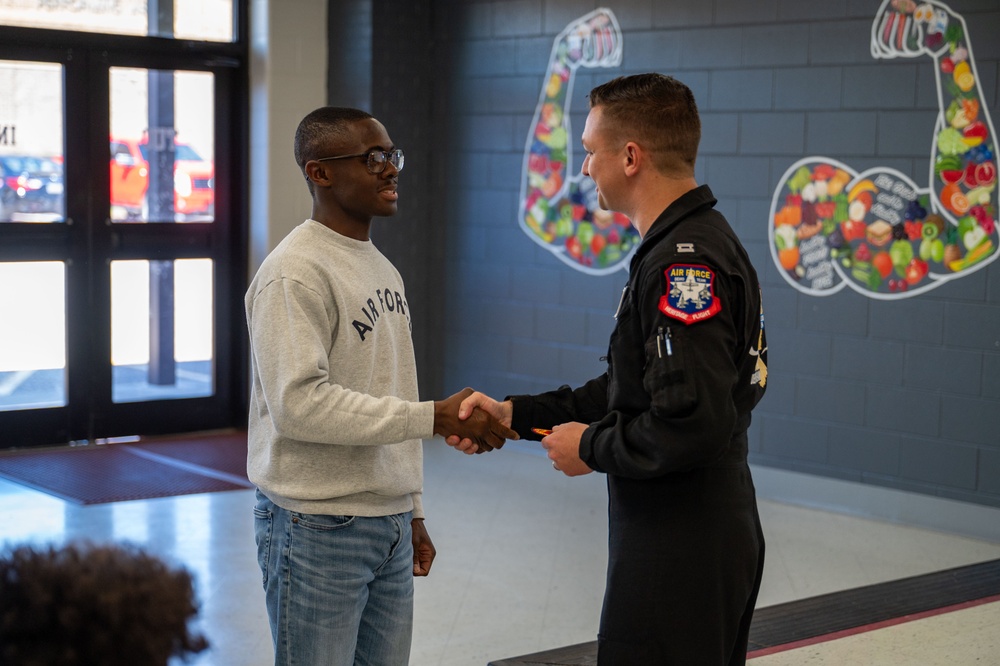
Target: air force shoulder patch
pixel 690 293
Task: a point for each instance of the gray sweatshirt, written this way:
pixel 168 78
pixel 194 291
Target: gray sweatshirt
pixel 335 423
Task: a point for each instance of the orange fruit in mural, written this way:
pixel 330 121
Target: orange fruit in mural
pixel 789 258
pixel 954 199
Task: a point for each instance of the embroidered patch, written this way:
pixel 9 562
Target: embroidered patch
pixel 690 293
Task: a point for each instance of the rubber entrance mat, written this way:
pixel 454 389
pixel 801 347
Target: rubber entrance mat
pixel 96 474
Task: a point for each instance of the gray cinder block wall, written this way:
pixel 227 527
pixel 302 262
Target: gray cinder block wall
pixel 902 394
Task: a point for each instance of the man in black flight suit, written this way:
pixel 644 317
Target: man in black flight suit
pixel 668 421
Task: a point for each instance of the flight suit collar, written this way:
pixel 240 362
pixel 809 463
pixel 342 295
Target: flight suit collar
pixel 690 202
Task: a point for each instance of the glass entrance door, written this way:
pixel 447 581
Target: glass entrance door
pixel 32 191
pixel 161 172
pixel 120 266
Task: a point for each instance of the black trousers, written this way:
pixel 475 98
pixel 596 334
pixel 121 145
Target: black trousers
pixel 686 556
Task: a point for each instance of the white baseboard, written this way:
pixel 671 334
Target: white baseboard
pixel 868 501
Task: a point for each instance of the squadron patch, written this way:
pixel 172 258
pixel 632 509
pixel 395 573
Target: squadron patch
pixel 690 293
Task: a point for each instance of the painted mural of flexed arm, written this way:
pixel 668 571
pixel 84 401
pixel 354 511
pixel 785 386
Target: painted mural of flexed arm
pixel 963 164
pixel 558 207
pixel 878 232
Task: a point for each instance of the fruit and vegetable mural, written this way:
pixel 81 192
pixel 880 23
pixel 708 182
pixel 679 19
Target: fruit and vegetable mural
pixel 877 231
pixel 558 208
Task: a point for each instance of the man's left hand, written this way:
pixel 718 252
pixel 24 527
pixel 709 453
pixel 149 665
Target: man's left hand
pixel 423 548
pixel 563 446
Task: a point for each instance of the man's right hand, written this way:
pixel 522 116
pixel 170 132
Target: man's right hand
pixel 472 430
pixel 475 402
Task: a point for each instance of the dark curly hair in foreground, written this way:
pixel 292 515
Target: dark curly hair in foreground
pixel 94 604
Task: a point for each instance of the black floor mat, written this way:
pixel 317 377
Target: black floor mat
pixel 96 474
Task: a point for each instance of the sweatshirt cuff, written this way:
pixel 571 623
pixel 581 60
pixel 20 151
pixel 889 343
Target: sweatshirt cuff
pixel 418 505
pixel 421 425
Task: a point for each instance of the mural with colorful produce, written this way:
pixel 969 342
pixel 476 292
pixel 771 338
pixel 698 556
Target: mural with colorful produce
pixel 559 208
pixel 877 231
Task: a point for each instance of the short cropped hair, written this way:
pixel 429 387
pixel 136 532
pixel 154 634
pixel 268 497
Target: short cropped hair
pixel 321 127
pixel 656 111
pixel 85 604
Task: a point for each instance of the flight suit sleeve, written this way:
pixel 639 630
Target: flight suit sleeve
pixel 585 404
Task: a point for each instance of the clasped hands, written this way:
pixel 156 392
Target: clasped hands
pixel 477 428
pixel 563 444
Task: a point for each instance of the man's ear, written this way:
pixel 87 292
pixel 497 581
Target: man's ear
pixel 633 157
pixel 316 173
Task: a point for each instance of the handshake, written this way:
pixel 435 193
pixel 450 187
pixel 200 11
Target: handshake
pixel 473 426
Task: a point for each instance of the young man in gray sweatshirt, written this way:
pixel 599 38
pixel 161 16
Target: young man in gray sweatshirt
pixel 336 423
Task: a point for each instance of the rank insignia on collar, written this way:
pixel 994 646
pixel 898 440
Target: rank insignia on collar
pixel 690 293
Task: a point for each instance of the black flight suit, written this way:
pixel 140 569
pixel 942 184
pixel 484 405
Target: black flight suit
pixel 668 425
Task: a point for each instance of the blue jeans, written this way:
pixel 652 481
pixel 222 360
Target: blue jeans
pixel 339 589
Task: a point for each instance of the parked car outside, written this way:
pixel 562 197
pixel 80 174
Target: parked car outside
pixel 32 189
pixel 194 181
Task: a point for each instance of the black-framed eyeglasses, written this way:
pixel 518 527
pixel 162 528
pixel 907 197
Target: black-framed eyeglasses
pixel 376 159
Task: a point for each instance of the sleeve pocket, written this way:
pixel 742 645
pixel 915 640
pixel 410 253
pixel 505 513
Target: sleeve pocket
pixel 667 378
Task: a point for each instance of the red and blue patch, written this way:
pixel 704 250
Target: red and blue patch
pixel 690 293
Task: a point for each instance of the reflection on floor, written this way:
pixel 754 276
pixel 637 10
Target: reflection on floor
pixel 520 566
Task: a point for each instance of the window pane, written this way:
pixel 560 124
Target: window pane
pixel 161 329
pixel 208 20
pixel 162 129
pixel 31 142
pixel 32 335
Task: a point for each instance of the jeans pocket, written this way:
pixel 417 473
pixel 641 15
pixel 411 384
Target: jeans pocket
pixel 321 523
pixel 263 523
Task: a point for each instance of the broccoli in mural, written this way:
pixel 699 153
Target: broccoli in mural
pixel 877 231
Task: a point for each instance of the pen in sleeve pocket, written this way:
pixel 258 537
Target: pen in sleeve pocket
pixel 663 342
